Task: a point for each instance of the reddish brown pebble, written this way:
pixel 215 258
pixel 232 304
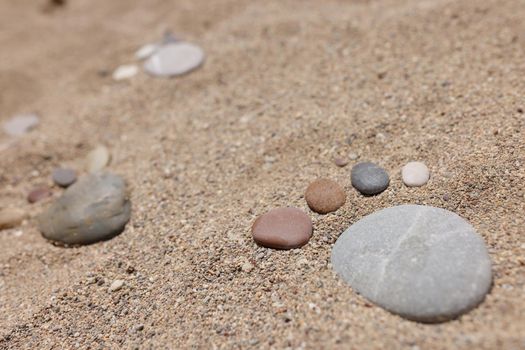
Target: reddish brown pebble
pixel 38 194
pixel 282 228
pixel 324 196
pixel 341 162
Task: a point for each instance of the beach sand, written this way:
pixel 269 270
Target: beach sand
pixel 287 86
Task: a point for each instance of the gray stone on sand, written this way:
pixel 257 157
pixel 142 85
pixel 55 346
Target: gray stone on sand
pixel 64 177
pixel 175 58
pixel 93 209
pixel 369 178
pixel 424 263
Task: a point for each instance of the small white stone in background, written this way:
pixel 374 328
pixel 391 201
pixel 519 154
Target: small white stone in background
pixel 116 285
pixel 126 71
pixel 21 124
pixel 174 59
pixel 145 51
pixel 97 159
pixel 415 174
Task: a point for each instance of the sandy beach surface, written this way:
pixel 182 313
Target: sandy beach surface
pixel 287 86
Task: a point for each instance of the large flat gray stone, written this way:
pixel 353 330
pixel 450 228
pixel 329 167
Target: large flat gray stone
pixel 426 264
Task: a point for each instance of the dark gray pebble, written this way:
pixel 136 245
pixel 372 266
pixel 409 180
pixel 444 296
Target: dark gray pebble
pixel 64 177
pixel 369 178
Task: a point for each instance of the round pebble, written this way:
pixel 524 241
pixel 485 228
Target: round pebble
pixel 369 178
pixel 93 209
pixel 282 228
pixel 174 58
pixel 11 217
pixel 325 196
pixel 97 159
pixel 116 285
pixel 126 71
pixel 415 174
pixel 424 263
pixel 21 124
pixel 341 162
pixel 38 194
pixel 64 177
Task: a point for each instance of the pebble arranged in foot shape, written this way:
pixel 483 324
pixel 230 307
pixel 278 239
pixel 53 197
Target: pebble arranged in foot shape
pixel 93 209
pixel 369 178
pixel 174 58
pixel 325 196
pixel 282 228
pixel 424 263
pixel 415 174
pixel 97 159
pixel 11 217
pixel 21 124
pixel 64 177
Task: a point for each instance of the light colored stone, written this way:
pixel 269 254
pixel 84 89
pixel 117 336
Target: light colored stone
pixel 116 285
pixel 93 209
pixel 97 159
pixel 125 72
pixel 423 263
pixel 247 267
pixel 11 217
pixel 146 51
pixel 415 174
pixel 174 59
pixel 21 124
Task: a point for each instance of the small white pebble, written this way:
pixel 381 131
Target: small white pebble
pixel 145 51
pixel 125 72
pixel 415 174
pixel 247 267
pixel 116 285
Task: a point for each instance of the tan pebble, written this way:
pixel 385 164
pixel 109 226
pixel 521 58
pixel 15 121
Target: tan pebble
pixel 324 196
pixel 11 217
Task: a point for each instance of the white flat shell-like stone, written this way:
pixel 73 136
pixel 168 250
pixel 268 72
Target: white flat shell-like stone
pixel 174 59
pixel 424 263
pixel 126 71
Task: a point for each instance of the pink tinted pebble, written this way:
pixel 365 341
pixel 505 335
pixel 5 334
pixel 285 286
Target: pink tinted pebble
pixel 282 228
